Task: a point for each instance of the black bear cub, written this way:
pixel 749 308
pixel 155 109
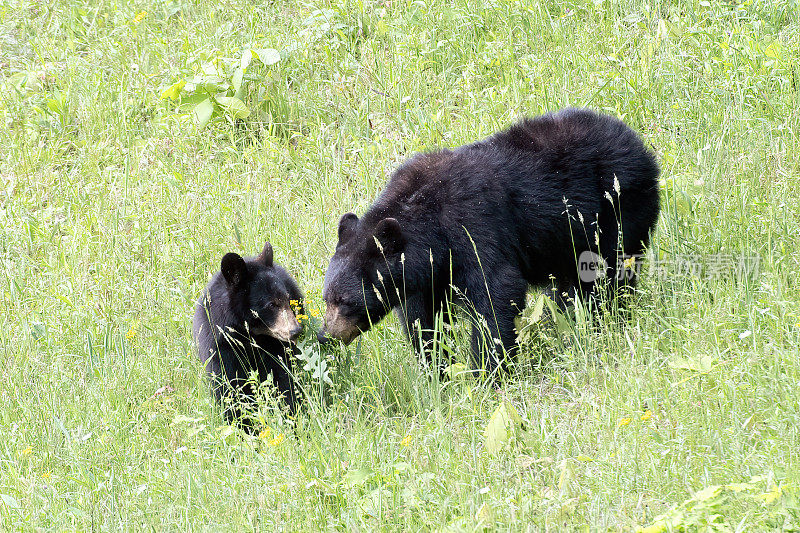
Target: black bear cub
pixel 483 222
pixel 245 323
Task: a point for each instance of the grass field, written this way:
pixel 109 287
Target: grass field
pixel 117 202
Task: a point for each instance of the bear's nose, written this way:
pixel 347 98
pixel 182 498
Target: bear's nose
pixel 295 333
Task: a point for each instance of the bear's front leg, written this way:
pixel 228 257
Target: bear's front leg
pixel 284 379
pixel 416 315
pixel 494 303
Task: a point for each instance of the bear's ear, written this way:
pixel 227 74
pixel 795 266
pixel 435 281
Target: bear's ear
pixel 346 225
pixel 266 255
pixel 390 236
pixel 234 269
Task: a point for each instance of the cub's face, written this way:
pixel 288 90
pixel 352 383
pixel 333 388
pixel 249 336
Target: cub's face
pixel 359 288
pixel 262 293
pixel 271 307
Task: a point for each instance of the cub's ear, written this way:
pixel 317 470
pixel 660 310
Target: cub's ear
pixel 234 269
pixel 346 225
pixel 390 236
pixel 266 255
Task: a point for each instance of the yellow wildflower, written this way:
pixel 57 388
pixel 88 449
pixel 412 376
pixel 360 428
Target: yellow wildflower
pixel 623 422
pixel 406 441
pixel 314 312
pixel 131 333
pixel 302 317
pixel 266 433
pixel 46 475
pixel 277 440
pixel 27 451
pixel 647 415
pixel 294 303
pixel 629 263
pixel 773 494
pixel 140 17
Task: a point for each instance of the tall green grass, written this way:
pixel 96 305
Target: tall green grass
pixel 114 211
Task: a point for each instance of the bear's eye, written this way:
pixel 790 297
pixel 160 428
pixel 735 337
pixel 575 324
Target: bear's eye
pixel 273 304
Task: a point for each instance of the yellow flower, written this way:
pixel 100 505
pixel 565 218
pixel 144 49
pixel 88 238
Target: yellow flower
pixel 406 441
pixel 265 433
pixel 27 451
pixel 647 415
pixel 46 475
pixel 629 263
pixel 314 312
pixel 277 440
pixel 302 317
pixel 140 16
pixel 294 303
pixel 772 495
pixel 131 333
pixel 623 422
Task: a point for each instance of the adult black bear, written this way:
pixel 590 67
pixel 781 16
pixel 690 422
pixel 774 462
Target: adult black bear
pixel 487 220
pixel 244 323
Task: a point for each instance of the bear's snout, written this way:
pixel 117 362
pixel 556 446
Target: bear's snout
pixel 337 327
pixel 286 327
pixel 295 333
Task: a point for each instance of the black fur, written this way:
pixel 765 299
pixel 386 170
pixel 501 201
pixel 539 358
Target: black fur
pixel 230 327
pixel 493 217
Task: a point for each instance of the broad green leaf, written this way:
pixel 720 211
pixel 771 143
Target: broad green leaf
pixel 401 466
pixel 562 323
pixel 210 83
pixel 456 371
pixel 373 503
pixel 707 493
pixel 502 427
pixel 357 477
pixel 227 433
pixel 238 74
pixel 54 104
pixel 268 56
pixel 195 430
pixel 183 419
pixel 202 112
pixel 173 91
pixel 10 501
pixel 538 308
pixel 773 50
pixel 409 498
pixel 233 106
pixel 210 69
pixel 189 101
pixel 244 62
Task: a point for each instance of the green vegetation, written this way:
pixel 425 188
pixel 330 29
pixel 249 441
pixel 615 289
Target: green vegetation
pixel 118 197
